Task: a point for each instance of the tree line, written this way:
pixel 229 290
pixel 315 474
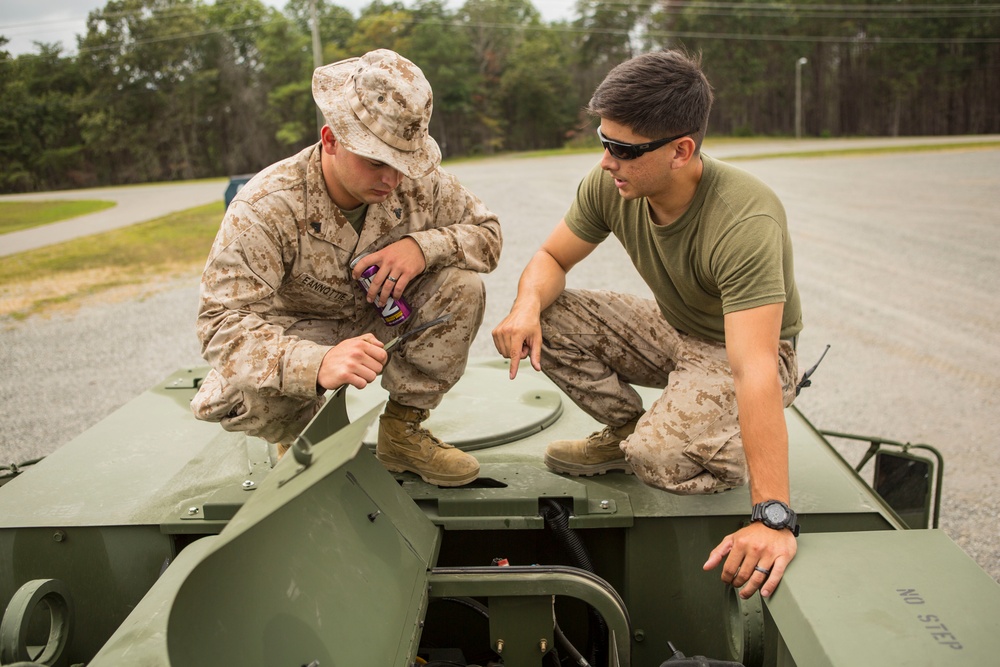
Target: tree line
pixel 178 89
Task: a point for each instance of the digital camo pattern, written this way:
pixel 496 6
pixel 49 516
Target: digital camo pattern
pixel 379 106
pixel 596 345
pixel 277 292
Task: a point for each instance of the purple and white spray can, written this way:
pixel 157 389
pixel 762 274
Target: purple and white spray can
pixel 395 311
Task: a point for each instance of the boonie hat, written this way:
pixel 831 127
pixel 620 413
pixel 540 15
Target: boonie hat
pixel 379 106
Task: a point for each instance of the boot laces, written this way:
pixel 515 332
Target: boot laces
pixel 417 430
pixel 603 437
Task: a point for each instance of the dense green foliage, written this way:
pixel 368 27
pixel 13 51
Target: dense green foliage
pixel 175 89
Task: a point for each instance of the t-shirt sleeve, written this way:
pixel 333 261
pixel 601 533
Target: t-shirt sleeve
pixel 749 265
pixel 587 215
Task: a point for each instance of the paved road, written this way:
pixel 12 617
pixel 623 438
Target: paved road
pixel 137 203
pixel 140 203
pixel 895 259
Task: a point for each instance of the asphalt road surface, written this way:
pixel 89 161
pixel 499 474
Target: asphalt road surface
pixel 895 256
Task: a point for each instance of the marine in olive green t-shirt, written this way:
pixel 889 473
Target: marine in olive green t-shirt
pixel 729 251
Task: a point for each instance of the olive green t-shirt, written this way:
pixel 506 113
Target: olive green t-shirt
pixel 356 216
pixel 730 251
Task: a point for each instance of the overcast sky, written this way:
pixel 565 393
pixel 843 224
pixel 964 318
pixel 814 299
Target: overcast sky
pixel 24 22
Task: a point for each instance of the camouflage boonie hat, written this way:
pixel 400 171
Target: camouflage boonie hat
pixel 379 106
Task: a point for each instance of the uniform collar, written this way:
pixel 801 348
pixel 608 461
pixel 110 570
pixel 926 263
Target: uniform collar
pixel 324 220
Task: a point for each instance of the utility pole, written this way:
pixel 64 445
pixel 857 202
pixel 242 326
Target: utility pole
pixel 317 55
pixel 798 96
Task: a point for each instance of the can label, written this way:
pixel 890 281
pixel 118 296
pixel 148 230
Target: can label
pixel 394 311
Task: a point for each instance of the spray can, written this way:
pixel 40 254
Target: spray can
pixel 395 311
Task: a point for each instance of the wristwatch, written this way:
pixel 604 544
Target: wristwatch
pixel 775 514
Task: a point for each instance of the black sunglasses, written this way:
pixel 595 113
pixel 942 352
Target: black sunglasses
pixel 622 151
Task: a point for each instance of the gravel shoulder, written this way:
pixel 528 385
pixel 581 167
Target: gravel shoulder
pixel 895 259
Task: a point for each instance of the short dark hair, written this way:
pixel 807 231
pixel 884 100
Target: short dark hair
pixel 656 95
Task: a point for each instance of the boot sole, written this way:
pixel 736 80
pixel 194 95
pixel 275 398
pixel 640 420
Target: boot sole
pixel 587 470
pixel 395 465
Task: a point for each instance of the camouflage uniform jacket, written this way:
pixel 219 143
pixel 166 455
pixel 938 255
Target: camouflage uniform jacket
pixel 283 252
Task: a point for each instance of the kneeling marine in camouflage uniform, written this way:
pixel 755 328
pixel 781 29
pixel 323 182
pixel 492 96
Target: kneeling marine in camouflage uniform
pixel 282 317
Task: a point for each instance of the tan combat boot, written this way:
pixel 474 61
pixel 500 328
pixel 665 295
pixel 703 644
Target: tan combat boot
pixel 597 454
pixel 404 445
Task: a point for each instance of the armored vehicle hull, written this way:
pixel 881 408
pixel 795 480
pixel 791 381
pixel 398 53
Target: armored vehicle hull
pixel 155 539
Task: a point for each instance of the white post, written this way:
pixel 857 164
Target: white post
pixel 317 55
pixel 798 96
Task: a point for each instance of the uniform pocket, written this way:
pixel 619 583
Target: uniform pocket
pixel 719 451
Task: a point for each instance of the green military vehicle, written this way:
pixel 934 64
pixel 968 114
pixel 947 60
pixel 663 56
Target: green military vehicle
pixel 154 539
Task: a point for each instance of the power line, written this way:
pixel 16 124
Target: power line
pixel 826 39
pixel 754 11
pixel 568 28
pixel 170 12
pixel 842 39
pixel 797 6
pixel 712 8
pixel 187 35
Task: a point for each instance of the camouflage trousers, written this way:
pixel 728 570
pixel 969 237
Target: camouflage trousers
pixel 417 375
pixel 597 345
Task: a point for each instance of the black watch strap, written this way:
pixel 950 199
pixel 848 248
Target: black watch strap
pixel 775 515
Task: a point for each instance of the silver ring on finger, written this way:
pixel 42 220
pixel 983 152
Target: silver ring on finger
pixel 391 278
pixel 762 570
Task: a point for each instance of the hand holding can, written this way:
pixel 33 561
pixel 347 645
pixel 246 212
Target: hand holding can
pixel 394 311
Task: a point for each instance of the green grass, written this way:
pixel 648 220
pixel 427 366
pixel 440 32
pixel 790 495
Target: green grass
pixel 179 238
pixel 64 272
pixel 872 150
pixel 17 215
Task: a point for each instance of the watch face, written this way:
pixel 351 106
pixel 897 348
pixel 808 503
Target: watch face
pixel 775 513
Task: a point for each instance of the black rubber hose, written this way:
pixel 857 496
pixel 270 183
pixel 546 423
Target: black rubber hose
pixel 575 655
pixel 557 519
pixel 471 603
